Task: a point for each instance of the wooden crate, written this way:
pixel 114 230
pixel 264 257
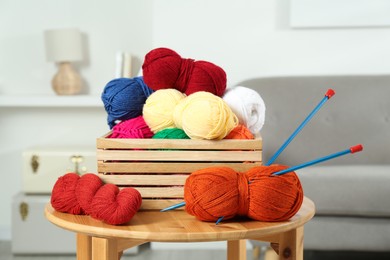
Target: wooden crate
pixel 158 168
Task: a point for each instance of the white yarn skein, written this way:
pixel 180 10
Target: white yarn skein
pixel 248 106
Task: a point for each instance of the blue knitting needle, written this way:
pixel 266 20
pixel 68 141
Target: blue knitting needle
pixel 353 149
pixel 327 96
pixel 178 205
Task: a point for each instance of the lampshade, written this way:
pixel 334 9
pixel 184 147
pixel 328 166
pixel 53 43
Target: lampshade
pixel 63 45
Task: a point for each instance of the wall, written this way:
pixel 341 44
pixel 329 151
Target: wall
pixel 252 38
pixel 107 27
pixel 248 38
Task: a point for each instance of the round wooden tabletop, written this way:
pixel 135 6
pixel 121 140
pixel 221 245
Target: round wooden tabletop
pixel 178 226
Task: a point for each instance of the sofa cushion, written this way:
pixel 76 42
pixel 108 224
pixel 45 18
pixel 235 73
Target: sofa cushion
pixel 349 190
pixel 348 233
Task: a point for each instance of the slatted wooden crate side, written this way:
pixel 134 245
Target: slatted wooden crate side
pixel 168 167
pixel 106 143
pixel 157 204
pixel 145 179
pixel 158 168
pixel 178 155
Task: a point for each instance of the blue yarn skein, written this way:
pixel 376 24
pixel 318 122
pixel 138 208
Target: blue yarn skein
pixel 124 98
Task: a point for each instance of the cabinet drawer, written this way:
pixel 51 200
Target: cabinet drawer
pixel 33 234
pixel 43 166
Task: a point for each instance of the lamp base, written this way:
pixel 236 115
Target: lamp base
pixel 66 81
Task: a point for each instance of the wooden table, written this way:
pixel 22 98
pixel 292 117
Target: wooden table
pixel 99 241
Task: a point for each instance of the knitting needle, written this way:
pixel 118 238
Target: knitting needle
pixel 353 149
pixel 327 96
pixel 178 205
pixel 219 220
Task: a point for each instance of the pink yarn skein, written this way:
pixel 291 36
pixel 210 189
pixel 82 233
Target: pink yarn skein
pixel 132 128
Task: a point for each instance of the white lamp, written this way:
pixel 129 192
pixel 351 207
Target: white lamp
pixel 63 46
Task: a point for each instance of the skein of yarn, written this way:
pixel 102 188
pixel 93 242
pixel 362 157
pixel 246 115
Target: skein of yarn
pixel 164 68
pixel 203 115
pixel 220 191
pixel 63 196
pixel 124 98
pixel 86 188
pixel 115 206
pixel 89 195
pixel 132 128
pixel 159 107
pixel 171 133
pixel 248 106
pixel 240 132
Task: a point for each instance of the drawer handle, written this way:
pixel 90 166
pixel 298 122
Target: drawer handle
pixel 23 210
pixel 34 163
pixel 76 160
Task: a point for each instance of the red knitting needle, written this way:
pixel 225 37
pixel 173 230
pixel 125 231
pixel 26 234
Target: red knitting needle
pixel 327 96
pixel 353 149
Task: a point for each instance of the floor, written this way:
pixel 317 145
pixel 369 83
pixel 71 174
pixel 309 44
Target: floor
pixel 146 254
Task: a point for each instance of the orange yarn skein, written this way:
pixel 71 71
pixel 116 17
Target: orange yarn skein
pixel 214 192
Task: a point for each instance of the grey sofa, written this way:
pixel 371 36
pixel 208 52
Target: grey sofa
pixel 351 193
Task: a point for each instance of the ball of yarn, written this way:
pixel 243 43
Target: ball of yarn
pixel 124 98
pixel 115 206
pixel 240 132
pixel 132 128
pixel 273 198
pixel 159 107
pixel 164 68
pixel 171 133
pixel 63 196
pixel 214 192
pixel 203 115
pixel 248 106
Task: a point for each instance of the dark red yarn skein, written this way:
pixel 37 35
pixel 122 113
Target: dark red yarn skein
pixel 86 188
pixel 89 195
pixel 63 196
pixel 214 192
pixel 115 206
pixel 164 68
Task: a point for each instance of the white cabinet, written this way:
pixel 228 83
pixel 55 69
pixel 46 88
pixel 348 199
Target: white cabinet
pixel 41 121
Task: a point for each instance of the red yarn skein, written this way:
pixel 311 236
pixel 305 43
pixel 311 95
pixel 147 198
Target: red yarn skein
pixel 115 206
pixel 89 195
pixel 214 192
pixel 86 188
pixel 63 196
pixel 164 68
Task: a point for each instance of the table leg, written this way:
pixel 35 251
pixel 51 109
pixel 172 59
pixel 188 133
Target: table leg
pixel 84 247
pixel 236 250
pixel 104 249
pixel 291 245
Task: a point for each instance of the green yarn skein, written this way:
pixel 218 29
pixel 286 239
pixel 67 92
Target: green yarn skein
pixel 171 133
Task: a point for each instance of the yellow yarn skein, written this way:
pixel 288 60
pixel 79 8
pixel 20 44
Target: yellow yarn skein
pixel 203 115
pixel 158 109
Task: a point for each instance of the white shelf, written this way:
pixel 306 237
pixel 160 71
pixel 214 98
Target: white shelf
pixel 51 101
